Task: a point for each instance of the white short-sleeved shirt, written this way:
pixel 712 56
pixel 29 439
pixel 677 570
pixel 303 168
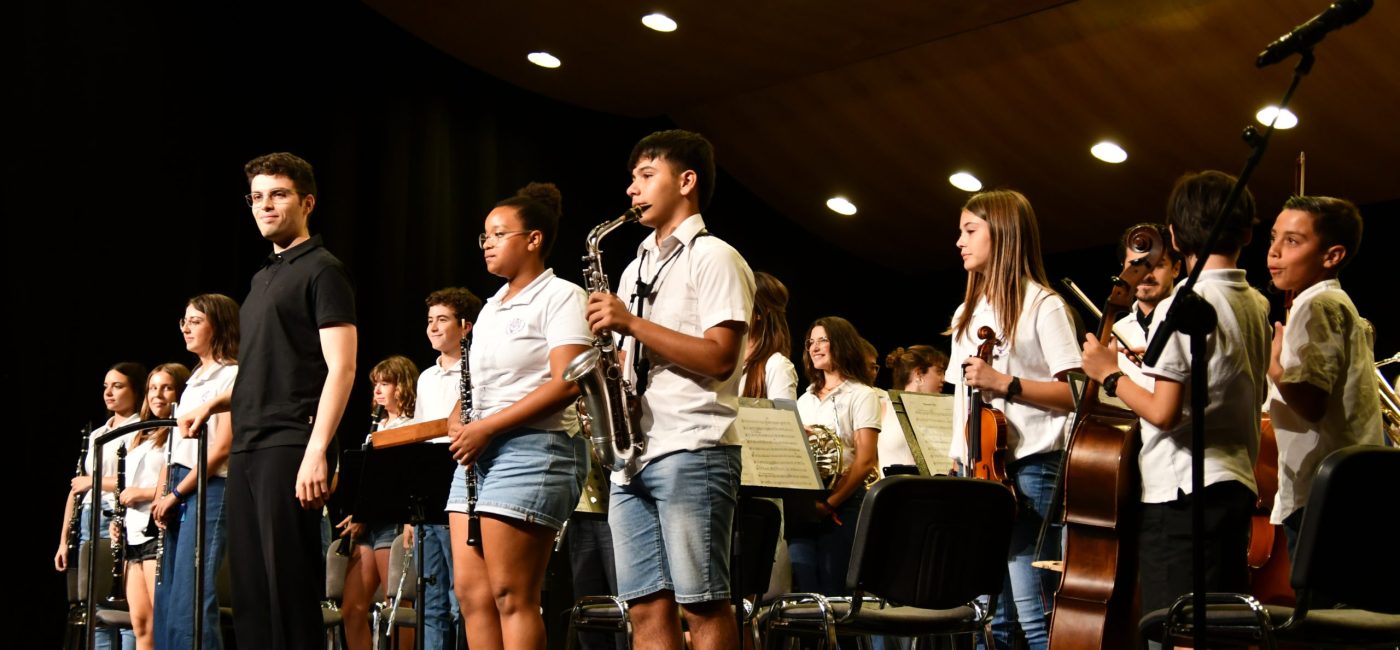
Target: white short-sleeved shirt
pixel 1239 356
pixel 848 408
pixel 439 389
pixel 510 353
pixel 143 465
pixel 1328 345
pixel 779 378
pixel 401 420
pixel 205 384
pixel 1045 345
pixel 894 448
pixel 109 455
pixel 706 283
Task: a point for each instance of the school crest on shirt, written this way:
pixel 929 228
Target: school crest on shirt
pixel 515 325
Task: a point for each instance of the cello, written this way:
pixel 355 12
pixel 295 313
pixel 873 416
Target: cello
pixel 986 426
pixel 1095 605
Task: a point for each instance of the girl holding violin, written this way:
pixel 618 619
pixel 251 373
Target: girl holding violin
pixel 1032 348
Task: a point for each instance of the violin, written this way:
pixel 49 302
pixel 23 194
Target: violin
pixel 1095 605
pixel 986 426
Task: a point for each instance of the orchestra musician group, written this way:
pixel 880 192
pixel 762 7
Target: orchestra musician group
pixel 690 329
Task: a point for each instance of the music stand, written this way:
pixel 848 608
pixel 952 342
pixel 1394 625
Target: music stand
pixel 405 485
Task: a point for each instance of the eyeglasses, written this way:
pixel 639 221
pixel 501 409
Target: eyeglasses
pixel 483 237
pixel 817 341
pixel 277 195
pixel 192 322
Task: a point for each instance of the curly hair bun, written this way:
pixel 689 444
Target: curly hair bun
pixel 547 194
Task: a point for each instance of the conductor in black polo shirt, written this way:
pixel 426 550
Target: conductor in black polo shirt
pixel 296 367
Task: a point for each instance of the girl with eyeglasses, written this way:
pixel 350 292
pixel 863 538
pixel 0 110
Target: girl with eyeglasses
pixel 145 463
pixel 209 328
pixel 529 470
pixel 839 399
pixel 1007 290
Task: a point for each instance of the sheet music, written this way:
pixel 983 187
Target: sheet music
pixel 931 418
pixel 774 450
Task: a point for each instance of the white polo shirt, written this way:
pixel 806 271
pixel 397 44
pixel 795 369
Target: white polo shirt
pixel 1045 346
pixel 848 408
pixel 1238 350
pixel 779 378
pixel 205 384
pixel 143 465
pixel 894 448
pixel 439 389
pixel 109 455
pixel 510 353
pixel 705 284
pixel 1328 345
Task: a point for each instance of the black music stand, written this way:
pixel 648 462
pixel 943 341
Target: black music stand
pixel 407 484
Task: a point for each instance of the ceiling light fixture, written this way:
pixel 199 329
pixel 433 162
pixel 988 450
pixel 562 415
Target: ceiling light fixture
pixel 659 22
pixel 544 59
pixel 1108 152
pixel 965 182
pixel 840 205
pixel 1286 118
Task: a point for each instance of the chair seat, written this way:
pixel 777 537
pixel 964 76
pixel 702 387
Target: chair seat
pixel 331 617
pixel 113 617
pixel 599 613
pixel 1321 627
pixel 898 621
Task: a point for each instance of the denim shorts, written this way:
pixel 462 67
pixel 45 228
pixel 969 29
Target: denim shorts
pixel 526 474
pixel 671 525
pixel 379 537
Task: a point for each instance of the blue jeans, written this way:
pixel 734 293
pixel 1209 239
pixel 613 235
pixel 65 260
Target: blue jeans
pixel 820 552
pixel 440 608
pixel 174 598
pixel 1028 591
pixel 671 526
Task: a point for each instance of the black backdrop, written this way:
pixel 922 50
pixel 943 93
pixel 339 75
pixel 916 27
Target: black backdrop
pixel 124 200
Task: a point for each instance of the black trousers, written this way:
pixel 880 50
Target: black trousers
pixel 1165 560
pixel 279 573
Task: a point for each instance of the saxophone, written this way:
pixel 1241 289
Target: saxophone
pixel 606 405
pixel 118 593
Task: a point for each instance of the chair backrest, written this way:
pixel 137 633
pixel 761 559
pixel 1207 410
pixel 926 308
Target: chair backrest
pixel 1341 553
pixel 759 526
pixel 104 571
pixel 336 566
pixel 935 542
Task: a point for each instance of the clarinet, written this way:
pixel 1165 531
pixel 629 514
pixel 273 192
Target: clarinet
pixel 152 528
pixel 468 414
pixel 119 532
pixel 75 521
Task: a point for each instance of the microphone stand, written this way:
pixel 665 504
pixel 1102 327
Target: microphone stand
pixel 1190 314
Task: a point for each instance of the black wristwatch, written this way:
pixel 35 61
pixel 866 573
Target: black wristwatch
pixel 1014 388
pixel 1110 383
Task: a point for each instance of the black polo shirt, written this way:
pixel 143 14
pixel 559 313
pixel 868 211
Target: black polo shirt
pixel 281 369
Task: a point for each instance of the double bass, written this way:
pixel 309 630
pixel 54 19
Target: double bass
pixel 1095 604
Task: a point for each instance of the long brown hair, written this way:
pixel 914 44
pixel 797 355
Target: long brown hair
pixel 847 358
pixel 180 374
pixel 1015 260
pixel 768 329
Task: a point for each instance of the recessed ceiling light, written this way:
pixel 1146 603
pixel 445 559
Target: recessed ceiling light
pixel 1286 118
pixel 544 59
pixel 659 22
pixel 1108 152
pixel 965 182
pixel 840 205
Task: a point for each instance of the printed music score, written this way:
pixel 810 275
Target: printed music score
pixel 774 448
pixel 928 427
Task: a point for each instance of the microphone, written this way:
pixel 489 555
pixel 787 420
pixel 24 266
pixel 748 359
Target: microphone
pixel 1304 36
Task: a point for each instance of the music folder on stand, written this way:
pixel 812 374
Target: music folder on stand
pixel 405 484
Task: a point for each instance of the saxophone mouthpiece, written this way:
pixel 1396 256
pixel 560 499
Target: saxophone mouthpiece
pixel 635 212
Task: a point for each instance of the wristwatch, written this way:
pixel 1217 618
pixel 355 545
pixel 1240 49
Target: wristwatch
pixel 1014 388
pixel 1110 383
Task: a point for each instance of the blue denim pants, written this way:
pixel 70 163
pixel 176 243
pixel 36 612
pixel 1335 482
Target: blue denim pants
pixel 174 598
pixel 1028 593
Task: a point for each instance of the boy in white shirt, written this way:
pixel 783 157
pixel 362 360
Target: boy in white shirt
pixel 1323 393
pixel 1238 350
